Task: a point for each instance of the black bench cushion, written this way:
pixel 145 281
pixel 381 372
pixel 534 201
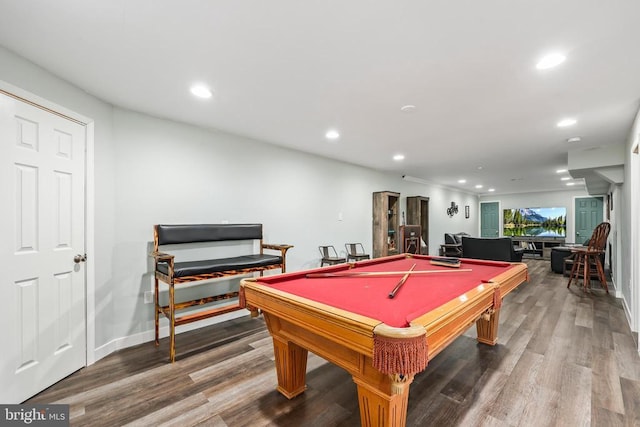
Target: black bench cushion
pixel 194 268
pixel 192 233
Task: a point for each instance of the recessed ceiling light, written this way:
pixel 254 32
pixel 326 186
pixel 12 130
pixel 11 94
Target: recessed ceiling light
pixel 479 168
pixel 491 190
pixel 566 122
pixel 462 181
pixel 561 171
pixel 550 61
pixel 571 183
pixel 565 178
pixel 574 139
pixel 332 135
pixel 408 108
pixel 479 186
pixel 398 157
pixel 201 91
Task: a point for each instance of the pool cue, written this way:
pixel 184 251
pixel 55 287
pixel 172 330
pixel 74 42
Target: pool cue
pixel 381 273
pixel 401 282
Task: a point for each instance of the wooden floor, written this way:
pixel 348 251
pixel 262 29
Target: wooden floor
pixel 564 358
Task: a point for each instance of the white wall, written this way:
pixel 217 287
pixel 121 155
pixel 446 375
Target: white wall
pixel 629 216
pixel 168 172
pixel 150 170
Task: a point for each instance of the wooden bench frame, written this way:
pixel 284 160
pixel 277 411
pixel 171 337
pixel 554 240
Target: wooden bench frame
pixel 197 233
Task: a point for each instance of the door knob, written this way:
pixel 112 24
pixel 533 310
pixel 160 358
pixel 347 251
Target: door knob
pixel 79 258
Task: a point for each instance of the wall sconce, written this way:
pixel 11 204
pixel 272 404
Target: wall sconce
pixel 451 211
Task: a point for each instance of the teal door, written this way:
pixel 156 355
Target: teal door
pixel 489 219
pixel 588 214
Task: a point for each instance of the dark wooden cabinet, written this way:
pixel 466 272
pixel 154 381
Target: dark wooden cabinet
pixel 418 214
pixel 410 239
pixel 386 222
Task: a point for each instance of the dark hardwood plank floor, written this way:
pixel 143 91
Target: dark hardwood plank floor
pixel 564 358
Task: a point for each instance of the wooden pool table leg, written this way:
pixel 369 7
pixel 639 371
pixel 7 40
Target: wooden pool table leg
pixel 291 367
pixel 487 327
pixel 380 409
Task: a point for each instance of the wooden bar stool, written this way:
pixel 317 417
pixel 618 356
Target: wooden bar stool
pixel 589 256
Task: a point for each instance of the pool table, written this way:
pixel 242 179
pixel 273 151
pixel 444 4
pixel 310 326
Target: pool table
pixel 345 314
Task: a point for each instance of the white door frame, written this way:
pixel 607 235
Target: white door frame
pixel 634 244
pixel 30 98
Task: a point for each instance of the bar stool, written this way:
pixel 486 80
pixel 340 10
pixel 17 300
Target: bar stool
pixel 587 256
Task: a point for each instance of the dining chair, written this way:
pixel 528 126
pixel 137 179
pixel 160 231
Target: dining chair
pixel 355 251
pixel 330 256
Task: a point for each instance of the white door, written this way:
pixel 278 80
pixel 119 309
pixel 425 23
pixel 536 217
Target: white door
pixel 42 288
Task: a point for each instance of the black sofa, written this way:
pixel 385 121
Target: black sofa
pixel 494 249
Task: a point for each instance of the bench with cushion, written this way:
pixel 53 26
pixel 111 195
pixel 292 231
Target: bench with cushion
pixel 169 271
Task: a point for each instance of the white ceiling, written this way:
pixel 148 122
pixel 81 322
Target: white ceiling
pixel 286 71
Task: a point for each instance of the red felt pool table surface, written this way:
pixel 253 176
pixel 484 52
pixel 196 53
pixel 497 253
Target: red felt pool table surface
pixel 382 342
pixel 368 295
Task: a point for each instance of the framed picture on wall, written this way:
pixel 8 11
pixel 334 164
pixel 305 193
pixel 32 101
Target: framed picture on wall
pixel 466 211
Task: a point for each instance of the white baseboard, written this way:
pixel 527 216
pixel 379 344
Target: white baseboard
pixel 614 290
pixel 627 313
pixel 148 336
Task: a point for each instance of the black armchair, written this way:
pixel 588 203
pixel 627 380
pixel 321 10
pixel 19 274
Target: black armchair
pixel 494 249
pixel 452 244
